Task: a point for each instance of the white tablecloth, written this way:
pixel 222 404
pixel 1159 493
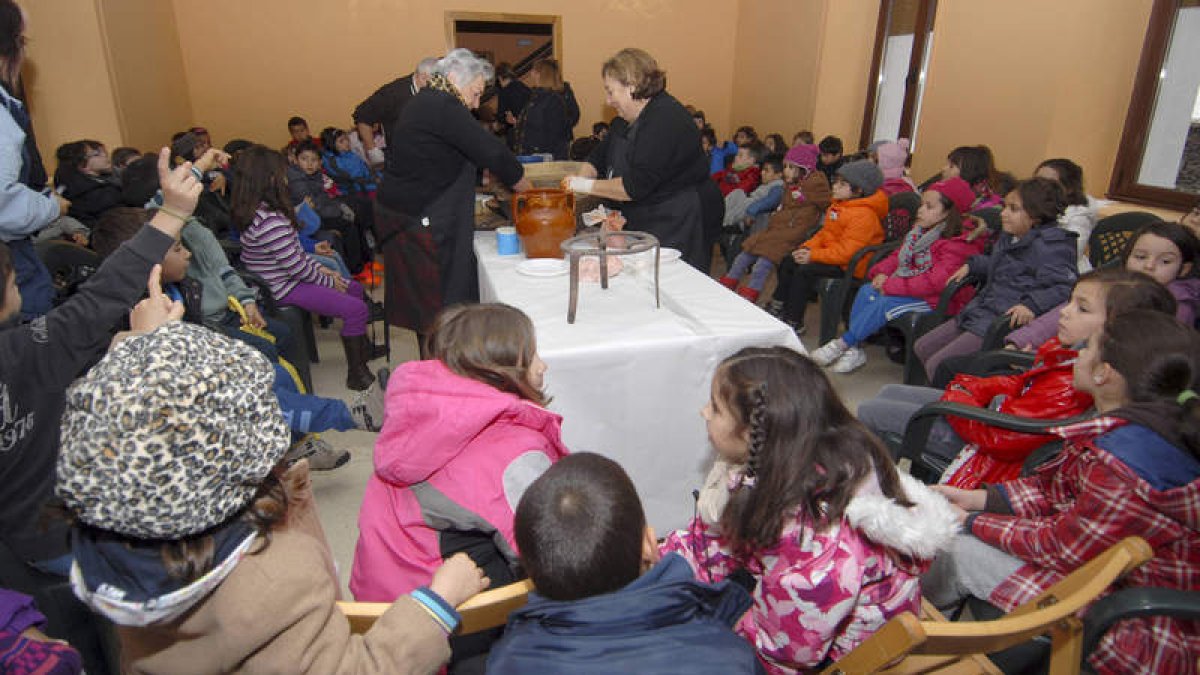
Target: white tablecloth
pixel 629 379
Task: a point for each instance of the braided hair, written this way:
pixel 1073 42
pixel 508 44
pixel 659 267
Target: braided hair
pixel 807 454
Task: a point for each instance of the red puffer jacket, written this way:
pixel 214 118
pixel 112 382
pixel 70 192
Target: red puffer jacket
pixel 1043 392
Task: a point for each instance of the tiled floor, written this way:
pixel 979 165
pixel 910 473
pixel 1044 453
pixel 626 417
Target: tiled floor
pixel 339 492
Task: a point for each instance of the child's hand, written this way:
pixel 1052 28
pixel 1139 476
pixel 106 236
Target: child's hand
pixel 253 316
pixel 211 159
pixel 960 274
pixel 217 184
pixel 968 500
pixel 1019 315
pixel 180 189
pixel 340 284
pixel 323 248
pixel 458 579
pixel 155 310
pixel 877 282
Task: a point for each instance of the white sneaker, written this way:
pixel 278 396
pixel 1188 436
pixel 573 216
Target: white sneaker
pixel 320 454
pixel 368 408
pixel 828 352
pixel 852 360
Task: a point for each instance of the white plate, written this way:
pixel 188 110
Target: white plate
pixel 543 267
pixel 669 254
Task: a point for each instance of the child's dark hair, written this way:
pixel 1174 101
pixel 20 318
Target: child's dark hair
pixel 831 145
pixel 1159 358
pixel 1042 200
pixel 974 164
pixel 124 155
pixel 775 161
pixel 118 225
pixel 598 127
pixel 776 143
pixel 708 133
pixel 579 528
pixel 72 156
pixel 183 148
pixel 1184 240
pixel 806 450
pixel 492 343
pixel 1126 291
pixel 329 137
pixel 750 133
pixel 953 219
pixel 234 147
pixel 12 42
pixel 804 136
pixel 296 121
pixel 1070 177
pixel 307 146
pixel 757 150
pixel 259 177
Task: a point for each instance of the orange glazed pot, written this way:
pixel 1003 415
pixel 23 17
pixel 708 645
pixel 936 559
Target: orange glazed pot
pixel 545 218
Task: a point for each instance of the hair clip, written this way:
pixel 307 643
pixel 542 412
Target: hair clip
pixel 1185 396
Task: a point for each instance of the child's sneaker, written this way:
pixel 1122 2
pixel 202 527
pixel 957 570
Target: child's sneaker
pixel 852 360
pixel 728 282
pixel 828 352
pixel 749 294
pixel 320 454
pixel 774 308
pixel 367 408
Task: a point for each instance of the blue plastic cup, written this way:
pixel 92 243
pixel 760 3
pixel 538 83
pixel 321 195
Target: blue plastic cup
pixel 507 242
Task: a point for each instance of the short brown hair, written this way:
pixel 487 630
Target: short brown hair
pixel 635 68
pixel 549 76
pixel 491 343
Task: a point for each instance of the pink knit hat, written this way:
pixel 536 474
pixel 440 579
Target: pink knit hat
pixel 957 191
pixel 892 157
pixel 804 155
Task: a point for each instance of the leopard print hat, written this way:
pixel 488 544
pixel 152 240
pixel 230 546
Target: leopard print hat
pixel 170 434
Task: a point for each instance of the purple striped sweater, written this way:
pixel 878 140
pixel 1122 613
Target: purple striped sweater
pixel 271 249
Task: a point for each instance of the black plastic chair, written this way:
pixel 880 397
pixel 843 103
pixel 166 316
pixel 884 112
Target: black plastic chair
pixel 1112 234
pixel 913 325
pixel 1134 603
pixel 69 265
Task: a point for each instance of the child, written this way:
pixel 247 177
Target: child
pixel 1029 271
pixel 191 538
pixel 912 278
pixel 776 145
pixel 305 180
pixel 349 172
pixel 744 174
pixel 262 212
pixel 741 208
pixel 84 177
pixel 1131 471
pixel 465 434
pixel 1165 251
pixel 831 157
pixel 807 501
pixel 1079 216
pixel 852 222
pixel 803 138
pixel 805 199
pixel 605 602
pixel 973 163
pixel 298 131
pixel 892 159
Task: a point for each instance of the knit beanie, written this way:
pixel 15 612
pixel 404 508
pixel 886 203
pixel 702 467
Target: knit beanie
pixel 957 191
pixel 170 434
pixel 803 154
pixel 892 157
pixel 863 174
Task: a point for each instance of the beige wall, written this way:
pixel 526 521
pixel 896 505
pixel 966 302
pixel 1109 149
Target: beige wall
pixel 844 66
pixel 250 65
pixel 1031 89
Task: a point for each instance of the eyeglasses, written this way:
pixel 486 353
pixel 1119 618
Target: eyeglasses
pixel 95 153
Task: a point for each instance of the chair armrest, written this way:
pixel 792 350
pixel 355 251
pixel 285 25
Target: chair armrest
pixel 1133 603
pixel 262 290
pixel 858 257
pixel 999 361
pixel 994 338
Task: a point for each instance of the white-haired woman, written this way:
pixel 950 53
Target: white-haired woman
pixel 425 206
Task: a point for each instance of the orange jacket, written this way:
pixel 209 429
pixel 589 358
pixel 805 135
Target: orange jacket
pixel 849 226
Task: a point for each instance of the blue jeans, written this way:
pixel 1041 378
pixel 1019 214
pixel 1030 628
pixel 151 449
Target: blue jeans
pixel 872 310
pixel 37 291
pixel 761 269
pixel 306 413
pixel 333 262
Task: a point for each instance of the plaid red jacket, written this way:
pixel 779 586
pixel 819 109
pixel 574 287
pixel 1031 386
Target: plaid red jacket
pixel 1083 502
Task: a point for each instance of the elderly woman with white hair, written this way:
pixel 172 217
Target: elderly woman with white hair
pixel 425 209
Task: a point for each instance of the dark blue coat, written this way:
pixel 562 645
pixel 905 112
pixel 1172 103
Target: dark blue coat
pixel 1037 270
pixel 664 622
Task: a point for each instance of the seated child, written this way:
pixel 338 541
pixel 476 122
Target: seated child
pixel 298 131
pixel 1131 471
pixel 807 501
pixel 717 154
pixel 744 174
pixel 349 172
pixel 851 223
pixel 831 157
pixel 775 145
pixel 741 207
pixel 804 137
pixel 1079 216
pixel 973 163
pixel 912 278
pixel 1028 272
pixel 192 539
pixel 305 180
pixel 84 177
pixel 805 198
pixel 465 434
pixel 604 601
pixel 892 159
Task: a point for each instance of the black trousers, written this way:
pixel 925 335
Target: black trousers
pixel 797 285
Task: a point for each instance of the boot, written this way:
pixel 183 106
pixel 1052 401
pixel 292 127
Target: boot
pixel 728 282
pixel 358 350
pixel 749 294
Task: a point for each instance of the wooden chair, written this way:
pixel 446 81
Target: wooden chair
pixel 931 644
pixel 480 612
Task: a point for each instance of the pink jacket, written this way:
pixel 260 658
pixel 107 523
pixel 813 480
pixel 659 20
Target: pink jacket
pixel 453 451
pixel 948 255
pixel 820 594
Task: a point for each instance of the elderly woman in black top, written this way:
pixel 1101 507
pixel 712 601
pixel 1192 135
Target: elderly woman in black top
pixel 425 208
pixel 652 162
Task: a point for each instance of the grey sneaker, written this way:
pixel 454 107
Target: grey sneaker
pixel 850 361
pixel 828 352
pixel 367 408
pixel 320 454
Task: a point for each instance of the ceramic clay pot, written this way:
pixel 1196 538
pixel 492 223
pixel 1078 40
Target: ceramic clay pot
pixel 545 218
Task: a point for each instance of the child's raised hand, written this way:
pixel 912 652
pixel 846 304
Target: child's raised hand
pixel 155 310
pixel 211 159
pixel 180 189
pixel 458 579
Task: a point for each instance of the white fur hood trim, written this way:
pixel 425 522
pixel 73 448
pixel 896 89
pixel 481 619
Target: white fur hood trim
pixel 920 531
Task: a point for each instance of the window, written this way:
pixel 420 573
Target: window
pixel 903 38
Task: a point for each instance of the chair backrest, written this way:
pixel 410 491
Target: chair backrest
pixel 1110 236
pixel 481 611
pixel 902 212
pixel 69 265
pixel 906 645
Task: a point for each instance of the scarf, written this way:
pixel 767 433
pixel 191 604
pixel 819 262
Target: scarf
pixel 914 255
pixel 442 83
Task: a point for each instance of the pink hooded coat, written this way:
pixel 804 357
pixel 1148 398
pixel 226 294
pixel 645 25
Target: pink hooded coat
pixel 454 454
